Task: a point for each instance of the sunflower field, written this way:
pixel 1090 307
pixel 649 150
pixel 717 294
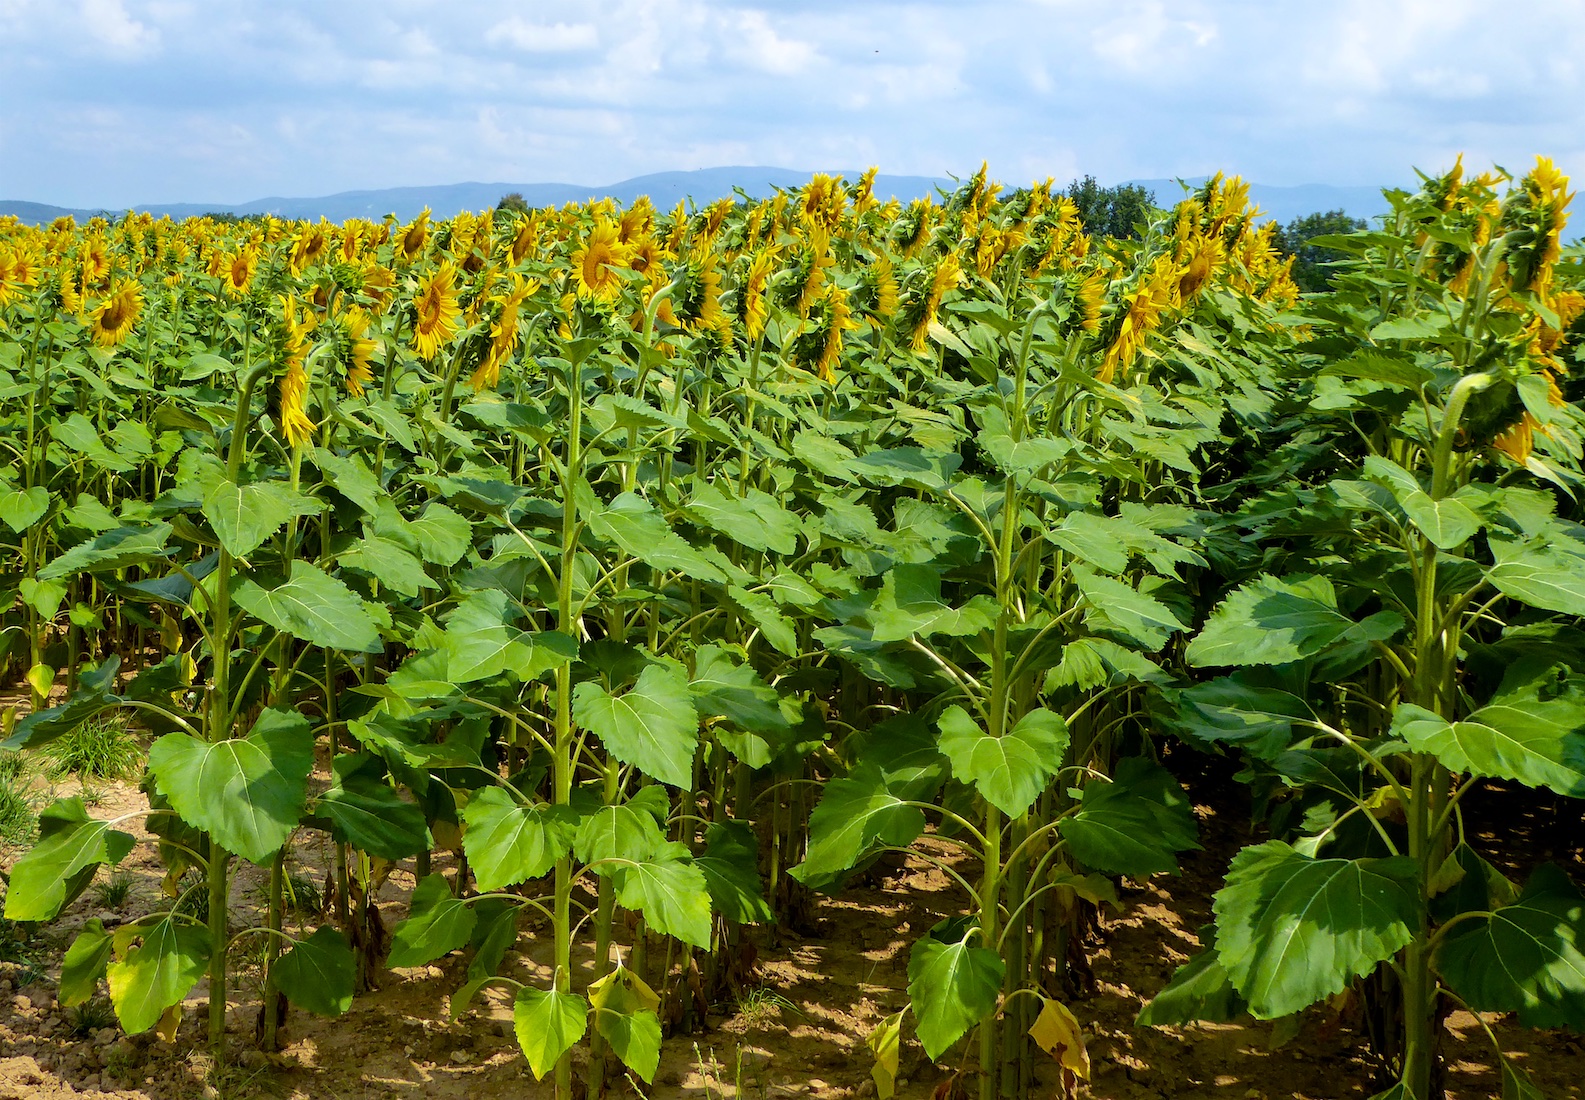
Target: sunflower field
pixel 629 585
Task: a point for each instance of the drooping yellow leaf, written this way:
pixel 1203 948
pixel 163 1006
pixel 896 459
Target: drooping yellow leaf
pixel 1057 1033
pixel 169 1022
pixel 886 1042
pixel 623 992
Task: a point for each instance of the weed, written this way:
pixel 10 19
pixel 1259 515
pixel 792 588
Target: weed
pixel 17 819
pixel 90 1016
pixel 302 895
pixel 19 947
pixel 114 891
pixel 101 748
pixel 762 1001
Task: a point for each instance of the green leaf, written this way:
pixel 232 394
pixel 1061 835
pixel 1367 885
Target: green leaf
pixel 763 613
pixel 248 793
pixel 633 525
pixel 1010 771
pixel 442 535
pixel 1133 825
pixel 94 694
pixel 84 964
pixel 1368 366
pixel 1199 990
pixel 1292 929
pixel 481 642
pixel 952 987
pixel 388 563
pixel 1448 523
pixel 910 605
pixel 508 843
pixel 548 1024
pixel 1271 622
pixel 624 1015
pixel 731 870
pixel 374 818
pixel 754 520
pixel 1528 957
pixel 313 607
pixel 42 596
pixel 855 814
pixel 1409 328
pixel 112 550
pixel 243 516
pixel 1539 742
pixel 1546 571
pixel 157 973
pixel 1115 606
pixel 351 477
pixel 437 924
pixel 627 830
pixel 22 508
pixel 59 867
pixel 318 973
pixel 669 890
pixel 724 688
pixel 653 726
pixel 77 433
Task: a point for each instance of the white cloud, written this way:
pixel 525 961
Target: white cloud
pixel 751 39
pixel 543 38
pixel 108 22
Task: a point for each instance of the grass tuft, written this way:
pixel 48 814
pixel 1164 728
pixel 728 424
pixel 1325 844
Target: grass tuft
pixel 101 748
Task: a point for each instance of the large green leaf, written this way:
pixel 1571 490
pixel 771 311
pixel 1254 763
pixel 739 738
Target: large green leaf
pixel 754 520
pixel 373 818
pixel 95 693
pixel 624 1015
pixel 389 563
pixel 314 607
pixel 158 972
pixel 441 534
pixel 855 814
pixel 1545 571
pixel 625 830
pixel 1010 771
pixel 731 870
pixel 1271 621
pixel 952 987
pixel 653 726
pixel 248 793
pixel 318 973
pixel 1245 709
pixel 1292 929
pixel 112 550
pixel 910 605
pixel 437 924
pixel 59 867
pixel 1135 824
pixel 1539 742
pixel 84 964
pixel 481 641
pixel 1199 990
pixel 633 525
pixel 243 516
pixel 1117 607
pixel 22 508
pixel 669 890
pixel 507 842
pixel 1528 957
pixel 548 1023
pixel 722 687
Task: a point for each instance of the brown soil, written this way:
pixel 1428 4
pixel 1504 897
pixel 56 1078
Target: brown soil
pixel 798 1030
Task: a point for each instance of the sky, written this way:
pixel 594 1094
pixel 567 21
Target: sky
pixel 115 102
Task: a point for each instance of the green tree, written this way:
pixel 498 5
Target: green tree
pixel 510 204
pixel 1310 268
pixel 1111 211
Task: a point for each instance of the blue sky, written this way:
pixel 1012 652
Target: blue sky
pixel 111 102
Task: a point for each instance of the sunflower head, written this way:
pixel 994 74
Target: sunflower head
pixel 411 241
pixel 819 343
pixel 352 350
pixel 435 311
pixel 753 307
pixel 598 262
pixel 1533 218
pixel 877 297
pixel 117 313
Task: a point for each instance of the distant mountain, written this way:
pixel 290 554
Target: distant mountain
pixel 665 189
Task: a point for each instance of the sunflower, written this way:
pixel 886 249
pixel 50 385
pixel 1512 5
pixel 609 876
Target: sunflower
pixel 637 221
pixel 1090 295
pixel 697 299
pixel 355 350
pixel 946 275
pixel 807 275
pixel 879 282
pixel 864 191
pixel 1518 439
pixel 1141 314
pixel 504 335
pixel 524 239
pixel 410 245
pixel 117 313
pixel 1202 256
pixel 94 261
pixel 1534 216
pixel 238 270
pixel 753 309
pixel 598 262
pixel 293 350
pixel 311 244
pixel 435 311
